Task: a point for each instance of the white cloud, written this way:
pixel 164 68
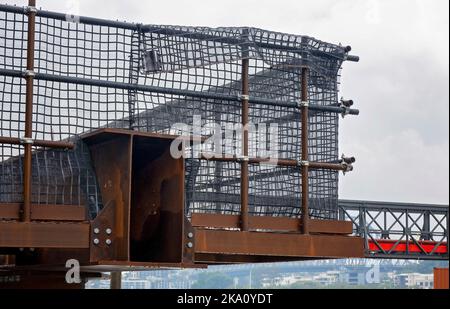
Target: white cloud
pixel 398 167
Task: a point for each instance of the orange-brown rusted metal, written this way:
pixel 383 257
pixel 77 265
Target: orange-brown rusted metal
pixel 43 235
pixel 270 223
pixel 157 216
pixel 305 153
pixel 111 157
pixel 277 244
pixel 143 193
pixel 327 166
pixel 43 212
pixel 26 211
pixel 244 162
pixel 441 278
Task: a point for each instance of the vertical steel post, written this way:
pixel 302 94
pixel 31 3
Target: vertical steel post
pixel 305 154
pixel 29 76
pixel 244 161
pixel 426 229
pixel 304 139
pixel 116 280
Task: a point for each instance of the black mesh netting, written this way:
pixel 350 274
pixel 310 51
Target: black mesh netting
pixel 188 71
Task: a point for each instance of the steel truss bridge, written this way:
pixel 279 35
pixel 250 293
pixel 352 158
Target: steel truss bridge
pixel 399 230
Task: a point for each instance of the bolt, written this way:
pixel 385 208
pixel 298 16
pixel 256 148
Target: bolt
pixel 32 249
pixel 96 230
pixel 108 231
pixel 96 241
pixel 190 244
pixel 190 235
pixel 108 242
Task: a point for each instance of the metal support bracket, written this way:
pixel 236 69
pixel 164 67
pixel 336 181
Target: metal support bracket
pixel 347 168
pixel 29 9
pixel 301 104
pixel 243 159
pixel 245 97
pixel 345 111
pixel 26 141
pixel 29 73
pixel 303 163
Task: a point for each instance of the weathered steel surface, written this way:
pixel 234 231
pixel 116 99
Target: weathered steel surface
pixel 277 244
pixel 44 235
pixel 143 193
pixel 305 151
pixel 112 162
pixel 45 212
pixel 271 223
pixel 157 218
pixel 441 278
pixel 100 250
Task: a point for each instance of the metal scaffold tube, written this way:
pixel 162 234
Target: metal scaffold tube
pixel 245 123
pixel 176 92
pixel 305 154
pixel 29 76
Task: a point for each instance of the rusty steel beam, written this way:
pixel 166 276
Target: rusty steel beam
pixel 44 235
pixel 142 188
pixel 29 77
pixel 277 244
pixel 43 212
pixel 220 259
pixel 112 160
pixel 441 278
pixel 104 134
pixel 285 224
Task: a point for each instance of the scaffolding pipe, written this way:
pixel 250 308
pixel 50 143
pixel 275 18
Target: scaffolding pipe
pixel 305 154
pixel 29 75
pixel 170 91
pixel 281 162
pixel 245 113
pixel 339 53
pixel 38 143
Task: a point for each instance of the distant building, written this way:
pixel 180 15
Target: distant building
pixel 285 280
pixel 135 284
pixel 327 278
pixel 353 277
pixel 414 280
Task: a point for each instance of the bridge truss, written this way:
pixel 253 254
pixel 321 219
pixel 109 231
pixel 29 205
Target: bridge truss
pixel 399 230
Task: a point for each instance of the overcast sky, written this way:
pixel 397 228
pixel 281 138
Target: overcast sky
pixel 401 138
